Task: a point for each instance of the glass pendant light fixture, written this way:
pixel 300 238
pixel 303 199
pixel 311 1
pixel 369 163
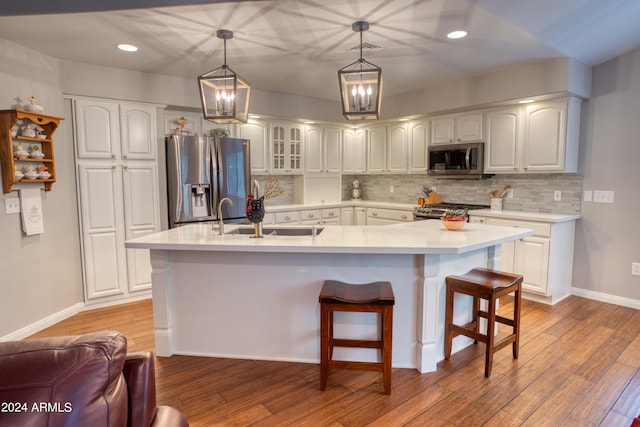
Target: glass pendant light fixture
pixel 224 94
pixel 361 85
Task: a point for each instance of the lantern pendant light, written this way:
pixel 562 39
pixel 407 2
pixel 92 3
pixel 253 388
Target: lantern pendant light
pixel 361 85
pixel 224 94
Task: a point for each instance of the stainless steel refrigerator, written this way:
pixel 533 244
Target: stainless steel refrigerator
pixel 201 171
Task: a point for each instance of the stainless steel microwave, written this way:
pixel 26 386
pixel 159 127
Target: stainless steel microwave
pixel 457 161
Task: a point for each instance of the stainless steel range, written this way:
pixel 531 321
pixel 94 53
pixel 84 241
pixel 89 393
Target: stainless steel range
pixel 435 211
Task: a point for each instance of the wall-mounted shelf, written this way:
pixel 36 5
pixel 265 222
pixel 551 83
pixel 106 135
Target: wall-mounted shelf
pixel 12 160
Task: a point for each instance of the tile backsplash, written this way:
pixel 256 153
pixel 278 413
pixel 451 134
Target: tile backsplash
pixel 531 192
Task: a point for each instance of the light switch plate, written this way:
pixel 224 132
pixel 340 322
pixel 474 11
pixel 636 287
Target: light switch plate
pixel 12 205
pixel 588 196
pixel 600 196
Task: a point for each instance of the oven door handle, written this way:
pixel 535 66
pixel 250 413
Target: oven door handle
pixel 467 158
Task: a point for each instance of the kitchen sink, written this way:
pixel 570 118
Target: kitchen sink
pixel 278 231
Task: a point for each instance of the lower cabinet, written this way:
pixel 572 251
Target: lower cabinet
pixel 544 259
pixel 382 216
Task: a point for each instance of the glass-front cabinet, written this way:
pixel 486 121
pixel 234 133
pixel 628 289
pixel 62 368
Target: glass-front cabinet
pixel 286 147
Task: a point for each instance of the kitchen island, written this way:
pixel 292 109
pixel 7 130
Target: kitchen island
pixel 236 296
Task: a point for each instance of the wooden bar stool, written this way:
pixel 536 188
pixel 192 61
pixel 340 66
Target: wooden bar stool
pixel 376 297
pixel 490 285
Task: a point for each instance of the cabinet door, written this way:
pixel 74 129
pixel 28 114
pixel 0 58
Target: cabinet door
pixel 397 149
pixel 443 130
pixel 418 143
pixel 346 216
pixel 138 132
pixel 359 216
pixel 142 217
pixel 377 153
pixel 532 261
pixel 332 138
pixel 103 236
pixel 295 141
pixel 256 133
pixel 469 128
pixel 354 151
pixel 503 141
pixel 97 126
pixel 545 137
pixel 314 152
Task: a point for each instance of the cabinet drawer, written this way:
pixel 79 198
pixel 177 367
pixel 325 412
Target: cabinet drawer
pixel 392 214
pixel 310 214
pixel 539 228
pixel 331 213
pixel 282 217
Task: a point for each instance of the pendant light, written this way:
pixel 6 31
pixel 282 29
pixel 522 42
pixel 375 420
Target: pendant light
pixel 225 95
pixel 361 85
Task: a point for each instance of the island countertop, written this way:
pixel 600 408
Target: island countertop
pixel 420 237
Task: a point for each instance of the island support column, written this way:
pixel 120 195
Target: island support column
pixel 161 295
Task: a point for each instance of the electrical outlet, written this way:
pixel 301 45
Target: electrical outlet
pixel 635 268
pixel 588 196
pixel 12 205
pixel 510 193
pixel 391 189
pixel 557 196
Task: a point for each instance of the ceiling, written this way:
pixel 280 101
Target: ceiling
pixel 297 46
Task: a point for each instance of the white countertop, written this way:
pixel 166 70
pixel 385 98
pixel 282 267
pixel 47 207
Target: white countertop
pixel 525 216
pixel 344 203
pixel 421 237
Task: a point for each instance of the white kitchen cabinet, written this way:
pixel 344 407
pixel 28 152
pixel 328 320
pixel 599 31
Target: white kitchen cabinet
pixel 377 150
pixel 384 216
pixel 551 133
pixel 458 128
pixel 502 149
pixel 359 216
pixel 118 195
pixel 388 149
pixel 286 148
pixel 256 132
pixel 346 216
pixel 323 149
pixel 354 151
pixel 418 133
pixel 545 259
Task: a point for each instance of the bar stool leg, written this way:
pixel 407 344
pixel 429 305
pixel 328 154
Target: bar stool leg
pixel 325 332
pixel 447 323
pixel 491 322
pixel 387 345
pixel 516 321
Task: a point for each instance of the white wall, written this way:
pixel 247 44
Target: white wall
pixel 608 235
pixel 39 275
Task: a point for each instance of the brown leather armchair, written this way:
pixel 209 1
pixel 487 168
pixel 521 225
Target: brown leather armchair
pixel 86 380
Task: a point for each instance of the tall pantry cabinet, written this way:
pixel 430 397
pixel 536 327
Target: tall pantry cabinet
pixel 118 195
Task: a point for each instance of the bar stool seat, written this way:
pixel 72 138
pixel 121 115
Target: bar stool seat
pixel 490 285
pixel 376 297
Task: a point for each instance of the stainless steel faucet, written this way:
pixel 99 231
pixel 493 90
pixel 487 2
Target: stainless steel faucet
pixel 220 221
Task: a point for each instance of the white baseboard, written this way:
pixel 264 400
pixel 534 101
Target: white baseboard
pixel 44 323
pixel 602 297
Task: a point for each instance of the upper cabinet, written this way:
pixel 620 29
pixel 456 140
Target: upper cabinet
pixel 418 133
pixel 377 150
pixel 537 138
pixel 26 148
pixel 138 131
pixel 551 132
pixel 286 147
pixel 388 149
pixel 323 149
pixel 458 128
pixel 504 137
pixel 354 151
pixel 256 132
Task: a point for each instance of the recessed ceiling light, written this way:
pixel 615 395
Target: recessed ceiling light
pixel 404 119
pixel 526 101
pixel 308 122
pixel 127 47
pixel 458 34
pixel 254 116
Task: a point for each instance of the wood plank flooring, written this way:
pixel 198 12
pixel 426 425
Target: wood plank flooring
pixel 579 365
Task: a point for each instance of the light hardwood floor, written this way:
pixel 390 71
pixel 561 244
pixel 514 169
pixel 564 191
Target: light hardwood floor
pixel 579 365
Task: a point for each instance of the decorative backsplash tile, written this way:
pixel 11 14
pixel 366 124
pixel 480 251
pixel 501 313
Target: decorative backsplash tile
pixel 532 192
